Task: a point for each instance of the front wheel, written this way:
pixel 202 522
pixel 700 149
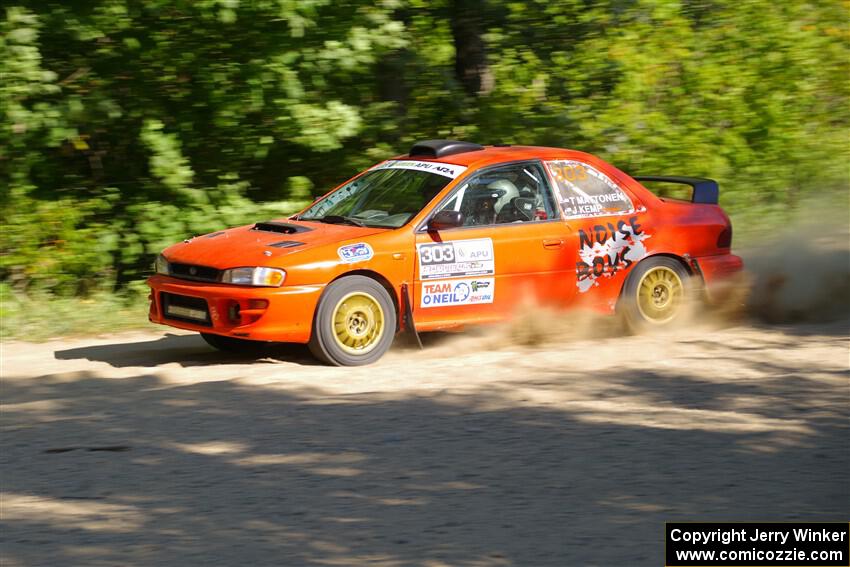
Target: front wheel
pixel 657 295
pixel 355 322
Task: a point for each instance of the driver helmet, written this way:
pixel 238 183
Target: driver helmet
pixel 507 190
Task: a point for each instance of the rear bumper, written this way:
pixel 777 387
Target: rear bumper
pixel 720 273
pixel 287 316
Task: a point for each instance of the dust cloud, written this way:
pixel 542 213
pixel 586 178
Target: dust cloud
pixel 801 275
pixel 798 275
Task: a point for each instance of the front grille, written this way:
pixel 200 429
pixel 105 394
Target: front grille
pixel 194 273
pixel 184 308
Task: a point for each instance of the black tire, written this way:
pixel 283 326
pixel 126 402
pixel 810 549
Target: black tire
pixel 346 327
pixel 233 344
pixel 648 304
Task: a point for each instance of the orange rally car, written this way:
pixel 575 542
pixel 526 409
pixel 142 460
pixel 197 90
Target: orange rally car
pixel 451 234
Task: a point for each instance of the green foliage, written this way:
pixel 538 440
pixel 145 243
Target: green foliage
pixel 167 163
pixel 39 316
pixel 747 92
pixel 127 126
pixel 77 247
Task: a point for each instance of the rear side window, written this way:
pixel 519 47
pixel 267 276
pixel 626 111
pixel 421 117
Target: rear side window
pixel 583 191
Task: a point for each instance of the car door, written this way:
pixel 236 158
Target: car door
pixel 609 232
pixel 510 251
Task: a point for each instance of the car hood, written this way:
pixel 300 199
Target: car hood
pixel 261 244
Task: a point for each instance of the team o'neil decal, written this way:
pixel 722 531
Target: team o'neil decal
pixel 607 249
pixel 444 169
pixel 355 252
pixel 470 291
pixel 456 259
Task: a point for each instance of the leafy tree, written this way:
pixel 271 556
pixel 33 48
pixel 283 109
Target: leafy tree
pixel 129 125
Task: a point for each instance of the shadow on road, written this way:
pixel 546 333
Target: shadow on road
pixel 223 473
pixel 192 350
pixel 185 350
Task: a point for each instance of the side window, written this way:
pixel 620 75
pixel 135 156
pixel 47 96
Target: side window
pixel 508 194
pixel 585 192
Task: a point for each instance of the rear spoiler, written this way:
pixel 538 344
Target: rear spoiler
pixel 705 192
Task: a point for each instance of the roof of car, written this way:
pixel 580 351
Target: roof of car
pixel 494 154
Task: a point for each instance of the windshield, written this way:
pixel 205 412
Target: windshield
pixel 385 197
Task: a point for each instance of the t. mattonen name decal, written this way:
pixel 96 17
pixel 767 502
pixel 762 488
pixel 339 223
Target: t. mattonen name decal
pixel 606 249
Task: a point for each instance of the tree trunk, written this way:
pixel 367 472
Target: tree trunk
pixel 471 69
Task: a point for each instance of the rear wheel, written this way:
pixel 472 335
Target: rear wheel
pixel 355 322
pixel 657 294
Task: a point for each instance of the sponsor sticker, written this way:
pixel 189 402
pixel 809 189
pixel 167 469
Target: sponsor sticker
pixel 457 292
pixel 585 192
pixel 355 253
pixel 606 249
pixel 456 259
pixel 444 169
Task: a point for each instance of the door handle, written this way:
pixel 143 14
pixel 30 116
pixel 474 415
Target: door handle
pixel 553 243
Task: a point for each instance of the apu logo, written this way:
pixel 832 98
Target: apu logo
pixel 355 252
pixel 479 255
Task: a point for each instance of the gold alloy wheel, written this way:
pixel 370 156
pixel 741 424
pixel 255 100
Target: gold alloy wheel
pixel 357 323
pixel 660 294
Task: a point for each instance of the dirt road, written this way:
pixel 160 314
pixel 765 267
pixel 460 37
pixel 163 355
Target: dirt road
pixel 152 449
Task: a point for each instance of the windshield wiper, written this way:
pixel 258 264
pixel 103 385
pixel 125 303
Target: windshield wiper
pixel 339 219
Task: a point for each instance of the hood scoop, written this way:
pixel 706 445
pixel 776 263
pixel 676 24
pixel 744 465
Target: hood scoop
pixel 280 227
pixel 286 244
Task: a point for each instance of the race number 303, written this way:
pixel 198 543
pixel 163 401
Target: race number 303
pixel 456 259
pixel 437 253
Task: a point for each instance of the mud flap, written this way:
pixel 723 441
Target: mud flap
pixel 409 325
pixel 697 277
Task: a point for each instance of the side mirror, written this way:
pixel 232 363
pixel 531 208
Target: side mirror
pixel 445 219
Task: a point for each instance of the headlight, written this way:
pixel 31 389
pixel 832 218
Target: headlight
pixel 161 265
pixel 271 277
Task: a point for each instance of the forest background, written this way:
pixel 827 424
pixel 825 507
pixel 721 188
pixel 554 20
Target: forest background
pixel 129 125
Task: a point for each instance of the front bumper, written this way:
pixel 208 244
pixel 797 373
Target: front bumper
pixel 283 314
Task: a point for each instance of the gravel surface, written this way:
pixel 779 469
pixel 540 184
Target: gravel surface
pixel 153 449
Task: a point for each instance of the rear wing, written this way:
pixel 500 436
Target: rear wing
pixel 705 192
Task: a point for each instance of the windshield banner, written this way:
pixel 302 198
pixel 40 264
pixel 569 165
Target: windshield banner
pixel 444 169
